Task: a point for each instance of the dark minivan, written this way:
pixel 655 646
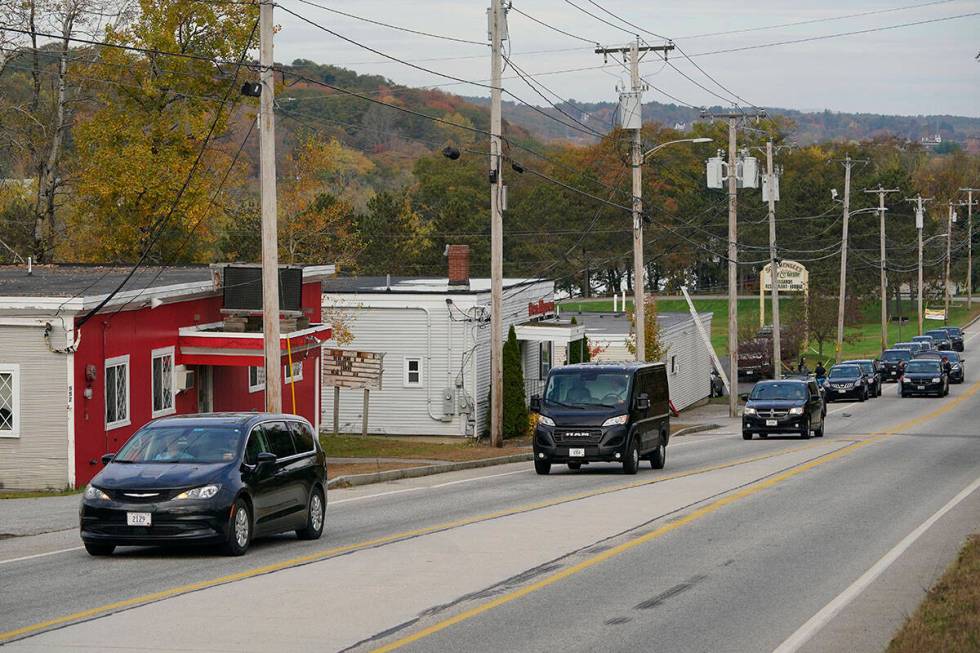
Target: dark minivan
pixel 786 406
pixel 603 412
pixel 893 363
pixel 218 478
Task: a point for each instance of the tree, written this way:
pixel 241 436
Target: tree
pixel 515 422
pixel 654 349
pixel 395 236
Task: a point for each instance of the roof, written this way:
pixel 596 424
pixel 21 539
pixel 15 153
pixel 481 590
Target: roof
pixel 231 419
pixel 618 324
pixel 89 280
pixel 783 380
pixel 609 365
pixel 415 285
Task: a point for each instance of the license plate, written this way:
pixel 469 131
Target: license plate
pixel 576 453
pixel 771 422
pixel 139 519
pixel 921 387
pixel 894 373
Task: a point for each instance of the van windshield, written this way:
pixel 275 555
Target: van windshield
pixel 923 366
pixel 896 355
pixel 780 391
pixel 587 389
pixel 182 444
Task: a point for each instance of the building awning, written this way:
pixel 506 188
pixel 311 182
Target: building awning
pixel 560 332
pixel 209 344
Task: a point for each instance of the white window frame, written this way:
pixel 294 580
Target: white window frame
pixel 545 345
pixel 260 385
pixel 675 368
pixel 13 369
pixel 164 352
pixel 406 383
pixel 291 376
pixel 117 361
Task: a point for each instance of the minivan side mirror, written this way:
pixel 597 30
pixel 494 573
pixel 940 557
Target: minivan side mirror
pixel 264 461
pixel 535 404
pixel 744 396
pixel 107 458
pixel 643 402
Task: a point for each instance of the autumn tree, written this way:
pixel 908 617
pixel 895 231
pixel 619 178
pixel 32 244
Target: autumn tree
pixel 653 346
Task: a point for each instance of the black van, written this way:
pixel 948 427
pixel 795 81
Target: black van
pixel 603 412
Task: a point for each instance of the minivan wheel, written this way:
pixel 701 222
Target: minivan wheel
pixel 805 429
pixel 819 432
pixel 659 457
pixel 542 467
pixel 99 549
pixel 575 466
pixel 631 464
pixel 316 511
pixel 746 435
pixel 239 529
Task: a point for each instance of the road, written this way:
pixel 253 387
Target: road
pixel 735 546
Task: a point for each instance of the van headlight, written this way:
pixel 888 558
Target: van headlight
pixel 796 410
pixel 547 421
pixel 205 492
pixel 749 411
pixel 95 494
pixel 616 421
pixel 936 379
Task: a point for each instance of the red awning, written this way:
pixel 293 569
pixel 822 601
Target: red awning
pixel 208 344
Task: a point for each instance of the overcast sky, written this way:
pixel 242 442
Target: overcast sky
pixel 924 69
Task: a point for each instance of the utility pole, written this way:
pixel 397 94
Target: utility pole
pixel 270 241
pixel 919 224
pixel 497 27
pixel 634 122
pixel 848 164
pixel 884 280
pixel 949 252
pixel 777 357
pixel 969 245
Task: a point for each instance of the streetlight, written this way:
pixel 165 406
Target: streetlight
pixel 639 317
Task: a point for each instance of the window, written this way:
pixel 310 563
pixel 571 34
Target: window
pixel 117 392
pixel 256 379
pixel 279 440
pixel 9 400
pixel 302 436
pixel 674 367
pixel 544 356
pixel 163 381
pixel 413 372
pixel 294 374
pixel 256 445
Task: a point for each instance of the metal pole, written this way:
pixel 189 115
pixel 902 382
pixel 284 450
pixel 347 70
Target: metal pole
pixel 843 261
pixel 732 268
pixel 496 231
pixel 920 223
pixel 639 307
pixel 777 359
pixel 270 244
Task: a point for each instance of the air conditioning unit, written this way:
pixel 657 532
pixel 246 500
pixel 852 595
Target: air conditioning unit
pixel 184 378
pixel 242 288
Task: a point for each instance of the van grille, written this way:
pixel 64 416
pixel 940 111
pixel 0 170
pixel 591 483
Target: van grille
pixel 578 436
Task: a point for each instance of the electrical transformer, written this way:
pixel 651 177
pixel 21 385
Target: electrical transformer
pixel 765 187
pixel 716 172
pixel 630 113
pixel 748 172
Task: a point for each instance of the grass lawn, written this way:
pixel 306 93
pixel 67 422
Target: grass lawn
pixel 354 446
pixel 37 494
pixel 949 618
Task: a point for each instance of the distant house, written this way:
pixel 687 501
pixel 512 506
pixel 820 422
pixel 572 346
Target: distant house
pixel 159 347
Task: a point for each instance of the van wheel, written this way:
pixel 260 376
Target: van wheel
pixel 659 457
pixel 819 432
pixel 631 464
pixel 239 529
pixel 575 466
pixel 805 429
pixel 542 467
pixel 316 511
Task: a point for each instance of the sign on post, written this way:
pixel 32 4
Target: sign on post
pixel 792 277
pixel 343 368
pixel 935 314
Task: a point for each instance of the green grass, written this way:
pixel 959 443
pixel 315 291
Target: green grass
pixel 38 494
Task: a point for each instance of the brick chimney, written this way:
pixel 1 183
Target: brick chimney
pixel 459 265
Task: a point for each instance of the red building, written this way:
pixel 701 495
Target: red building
pixel 72 391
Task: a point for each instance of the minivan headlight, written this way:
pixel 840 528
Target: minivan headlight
pixel 796 410
pixel 547 421
pixel 616 421
pixel 95 494
pixel 936 379
pixel 749 411
pixel 205 492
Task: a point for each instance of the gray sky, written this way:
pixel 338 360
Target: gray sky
pixel 926 69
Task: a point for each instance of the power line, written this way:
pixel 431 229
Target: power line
pixel 599 18
pixel 555 29
pixel 524 76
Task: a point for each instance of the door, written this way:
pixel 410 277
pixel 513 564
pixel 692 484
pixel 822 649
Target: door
pixel 205 389
pixel 260 482
pixel 307 465
pixel 288 476
pixel 645 427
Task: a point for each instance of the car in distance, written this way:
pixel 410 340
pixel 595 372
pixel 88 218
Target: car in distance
pixel 941 338
pixel 914 347
pixel 925 376
pixel 602 412
pixel 957 364
pixel 846 382
pixel 216 478
pixel 928 342
pixel 785 406
pixel 955 337
pixel 893 363
pixel 872 371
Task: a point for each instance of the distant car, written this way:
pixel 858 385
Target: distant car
pixel 928 342
pixel 955 337
pixel 941 338
pixel 925 376
pixel 785 406
pixel 846 382
pixel 218 478
pixel 914 347
pixel 957 364
pixel 893 363
pixel 872 371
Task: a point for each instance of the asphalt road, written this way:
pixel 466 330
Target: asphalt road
pixel 735 546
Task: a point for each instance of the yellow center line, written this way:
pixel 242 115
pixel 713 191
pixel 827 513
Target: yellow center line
pixel 333 552
pixel 697 514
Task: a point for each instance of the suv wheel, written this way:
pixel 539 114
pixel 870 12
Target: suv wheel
pixel 805 429
pixel 239 529
pixel 631 464
pixel 659 457
pixel 316 511
pixel 542 467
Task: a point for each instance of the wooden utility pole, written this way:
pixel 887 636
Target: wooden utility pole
pixel 270 244
pixel 848 164
pixel 969 245
pixel 497 26
pixel 777 355
pixel 919 224
pixel 884 280
pixel 634 121
pixel 949 252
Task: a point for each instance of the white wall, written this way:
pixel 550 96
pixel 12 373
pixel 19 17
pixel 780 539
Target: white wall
pixel 690 382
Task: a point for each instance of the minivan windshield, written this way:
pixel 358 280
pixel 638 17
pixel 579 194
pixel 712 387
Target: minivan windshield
pixel 938 335
pixel 584 388
pixel 867 366
pixel 923 366
pixel 954 331
pixel 896 355
pixel 845 372
pixel 778 391
pixel 172 444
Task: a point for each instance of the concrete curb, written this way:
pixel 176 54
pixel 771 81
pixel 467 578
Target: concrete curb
pixel 696 428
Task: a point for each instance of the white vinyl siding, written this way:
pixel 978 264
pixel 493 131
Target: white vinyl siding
pixel 117 392
pixel 162 382
pixel 9 400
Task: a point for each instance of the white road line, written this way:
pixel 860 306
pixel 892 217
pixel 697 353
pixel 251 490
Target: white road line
pixel 379 494
pixel 832 609
pixel 40 555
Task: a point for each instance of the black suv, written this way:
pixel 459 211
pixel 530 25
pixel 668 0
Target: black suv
pixel 955 337
pixel 893 363
pixel 872 371
pixel 941 338
pixel 957 364
pixel 603 412
pixel 786 406
pixel 925 376
pixel 846 382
